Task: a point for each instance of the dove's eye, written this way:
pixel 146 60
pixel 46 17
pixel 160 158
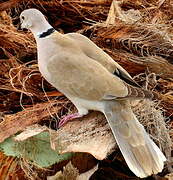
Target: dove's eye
pixel 23 17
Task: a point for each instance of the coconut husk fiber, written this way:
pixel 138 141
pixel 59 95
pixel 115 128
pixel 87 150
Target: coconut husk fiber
pixel 136 34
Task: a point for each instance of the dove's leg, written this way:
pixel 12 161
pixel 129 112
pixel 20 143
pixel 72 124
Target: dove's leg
pixel 67 118
pixel 81 112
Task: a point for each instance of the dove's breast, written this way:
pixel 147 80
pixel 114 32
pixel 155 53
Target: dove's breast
pixel 46 49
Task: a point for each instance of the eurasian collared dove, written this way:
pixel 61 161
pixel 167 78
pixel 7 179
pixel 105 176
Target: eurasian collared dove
pixel 92 80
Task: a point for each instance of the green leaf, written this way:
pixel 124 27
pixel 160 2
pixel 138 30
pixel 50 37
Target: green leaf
pixel 36 149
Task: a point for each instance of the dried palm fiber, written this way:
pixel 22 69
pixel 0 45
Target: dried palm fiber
pixel 13 42
pixel 68 15
pixel 135 39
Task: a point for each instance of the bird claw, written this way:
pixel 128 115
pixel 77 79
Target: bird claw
pixel 67 118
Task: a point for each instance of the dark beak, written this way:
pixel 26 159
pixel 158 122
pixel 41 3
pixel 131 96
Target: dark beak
pixel 19 27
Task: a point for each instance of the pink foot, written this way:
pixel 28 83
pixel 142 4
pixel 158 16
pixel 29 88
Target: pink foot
pixel 67 118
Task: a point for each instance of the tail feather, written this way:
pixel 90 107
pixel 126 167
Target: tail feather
pixel 155 150
pixel 139 93
pixel 141 154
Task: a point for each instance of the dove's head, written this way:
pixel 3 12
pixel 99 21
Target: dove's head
pixel 34 20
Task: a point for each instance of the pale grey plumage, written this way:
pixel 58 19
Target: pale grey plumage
pixel 92 80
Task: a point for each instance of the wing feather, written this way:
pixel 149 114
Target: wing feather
pixel 94 52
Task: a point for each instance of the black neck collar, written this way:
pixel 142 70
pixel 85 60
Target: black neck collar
pixel 47 33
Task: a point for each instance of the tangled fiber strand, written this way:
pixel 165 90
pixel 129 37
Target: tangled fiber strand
pixel 13 42
pixel 136 39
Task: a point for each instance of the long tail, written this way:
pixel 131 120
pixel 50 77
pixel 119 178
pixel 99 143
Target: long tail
pixel 141 154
